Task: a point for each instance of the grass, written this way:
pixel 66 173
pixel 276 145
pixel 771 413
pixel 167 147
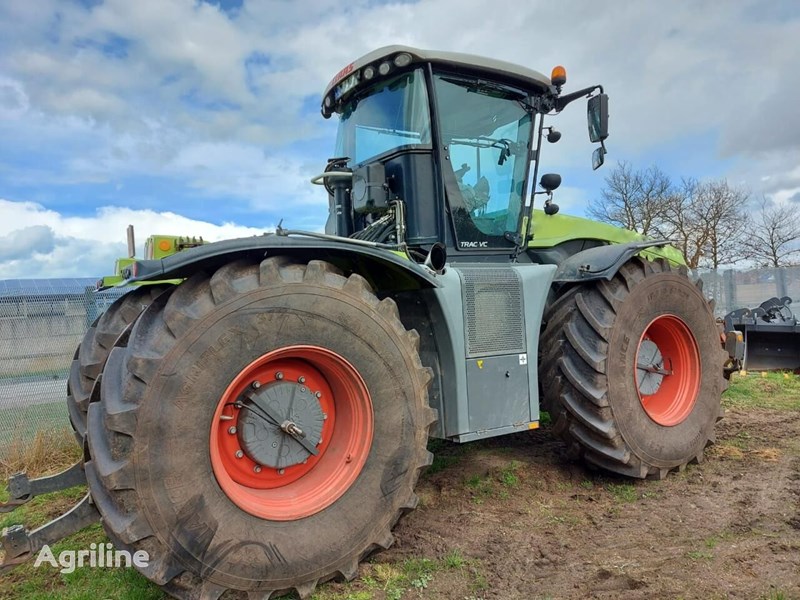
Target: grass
pixel 24 422
pixel 50 451
pixel 776 391
pixel 623 492
pixel 405 579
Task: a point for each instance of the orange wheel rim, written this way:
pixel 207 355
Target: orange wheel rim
pixel 667 370
pixel 278 409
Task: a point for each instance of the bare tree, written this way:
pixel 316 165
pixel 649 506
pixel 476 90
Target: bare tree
pixel 773 238
pixel 633 199
pixel 706 221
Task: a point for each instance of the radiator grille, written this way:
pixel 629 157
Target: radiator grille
pixel 493 312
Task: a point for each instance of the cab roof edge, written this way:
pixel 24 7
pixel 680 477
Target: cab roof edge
pixel 492 67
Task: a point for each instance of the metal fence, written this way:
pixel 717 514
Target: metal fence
pixel 43 321
pixel 737 288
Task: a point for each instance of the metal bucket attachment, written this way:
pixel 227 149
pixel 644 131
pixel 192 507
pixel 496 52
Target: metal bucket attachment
pixel 771 335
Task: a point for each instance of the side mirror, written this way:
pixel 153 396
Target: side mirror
pixel 597 117
pixel 598 157
pixel 550 181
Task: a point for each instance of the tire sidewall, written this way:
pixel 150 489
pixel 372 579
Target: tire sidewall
pixel 656 295
pixel 175 481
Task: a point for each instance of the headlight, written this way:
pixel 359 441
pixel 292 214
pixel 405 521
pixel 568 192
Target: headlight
pixel 403 59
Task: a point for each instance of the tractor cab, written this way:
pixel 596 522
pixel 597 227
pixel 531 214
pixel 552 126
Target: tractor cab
pixel 439 147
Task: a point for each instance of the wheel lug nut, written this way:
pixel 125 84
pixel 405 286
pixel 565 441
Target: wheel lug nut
pixel 324 416
pixel 279 375
pixel 231 430
pixel 257 468
pixel 281 471
pixel 301 379
pixel 318 394
pixel 239 454
pixel 256 384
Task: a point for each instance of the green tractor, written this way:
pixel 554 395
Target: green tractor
pixel 260 427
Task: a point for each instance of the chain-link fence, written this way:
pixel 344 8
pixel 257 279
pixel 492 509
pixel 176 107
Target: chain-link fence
pixel 732 289
pixel 42 321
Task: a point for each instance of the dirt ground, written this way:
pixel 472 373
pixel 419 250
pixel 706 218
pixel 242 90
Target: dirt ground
pixel 514 518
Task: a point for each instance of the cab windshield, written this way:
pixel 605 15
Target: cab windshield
pixel 486 129
pixel 389 116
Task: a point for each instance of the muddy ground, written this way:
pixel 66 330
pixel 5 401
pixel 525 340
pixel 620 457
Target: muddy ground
pixel 514 518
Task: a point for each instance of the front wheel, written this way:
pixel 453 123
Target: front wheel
pixel 262 431
pixel 636 366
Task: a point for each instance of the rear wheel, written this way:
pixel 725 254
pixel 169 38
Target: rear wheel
pixel 92 353
pixel 636 366
pixel 262 431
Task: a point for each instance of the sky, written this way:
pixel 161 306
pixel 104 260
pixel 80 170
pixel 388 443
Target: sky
pixel 201 117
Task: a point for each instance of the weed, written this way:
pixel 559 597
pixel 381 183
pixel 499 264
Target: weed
pixel 392 581
pixel 698 555
pixel 623 492
pixel 422 581
pixel 474 481
pixel 482 486
pixel 508 477
pixel 587 484
pixel 453 560
pixel 775 594
pixel 50 451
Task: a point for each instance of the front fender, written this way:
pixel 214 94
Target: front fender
pixel 384 269
pixel 601 262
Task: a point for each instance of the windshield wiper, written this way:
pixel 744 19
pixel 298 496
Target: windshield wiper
pixel 506 147
pixel 487 88
pixel 391 131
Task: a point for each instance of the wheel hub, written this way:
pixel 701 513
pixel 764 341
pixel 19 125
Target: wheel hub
pixel 280 424
pixel 649 367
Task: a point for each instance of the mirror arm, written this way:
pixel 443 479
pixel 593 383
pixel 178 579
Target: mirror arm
pixel 562 101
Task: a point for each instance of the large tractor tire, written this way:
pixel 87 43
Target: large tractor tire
pixel 635 366
pixel 92 352
pixel 262 431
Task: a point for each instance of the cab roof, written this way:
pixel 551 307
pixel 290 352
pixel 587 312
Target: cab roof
pixel 525 78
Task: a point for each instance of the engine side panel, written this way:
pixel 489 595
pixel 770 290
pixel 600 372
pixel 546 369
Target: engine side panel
pixel 485 321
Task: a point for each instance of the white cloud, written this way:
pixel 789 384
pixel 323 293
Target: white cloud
pixel 37 242
pixel 162 88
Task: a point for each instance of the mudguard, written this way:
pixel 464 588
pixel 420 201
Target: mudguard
pixel 601 262
pixel 384 269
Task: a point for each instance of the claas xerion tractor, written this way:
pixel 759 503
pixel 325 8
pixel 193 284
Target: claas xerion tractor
pixel 256 422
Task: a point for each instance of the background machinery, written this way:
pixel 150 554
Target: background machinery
pixel 768 336
pixel 259 427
